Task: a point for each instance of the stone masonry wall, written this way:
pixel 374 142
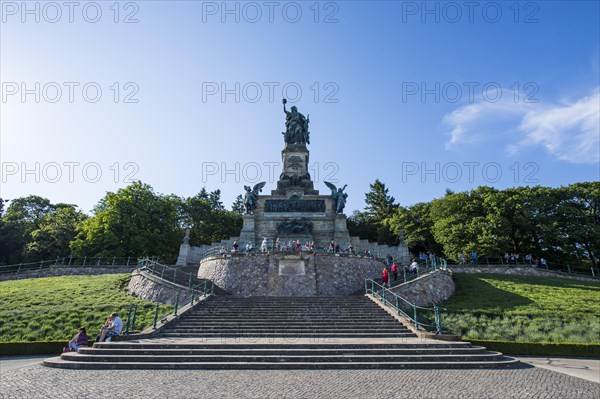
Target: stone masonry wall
pixel 427 290
pixel 151 288
pixel 281 274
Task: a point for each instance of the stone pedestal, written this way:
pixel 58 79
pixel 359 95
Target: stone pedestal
pixel 184 253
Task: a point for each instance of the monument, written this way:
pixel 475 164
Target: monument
pixel 294 212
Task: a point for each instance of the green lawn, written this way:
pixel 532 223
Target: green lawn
pixel 47 309
pixel 523 309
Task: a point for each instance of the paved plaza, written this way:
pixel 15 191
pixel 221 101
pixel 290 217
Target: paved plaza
pixel 25 378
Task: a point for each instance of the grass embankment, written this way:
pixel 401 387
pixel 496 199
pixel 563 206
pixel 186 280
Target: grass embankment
pixel 51 309
pixel 524 309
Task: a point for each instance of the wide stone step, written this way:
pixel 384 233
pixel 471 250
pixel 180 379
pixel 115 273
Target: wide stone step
pixel 276 351
pixel 280 323
pixel 58 362
pixel 337 345
pixel 349 357
pixel 241 334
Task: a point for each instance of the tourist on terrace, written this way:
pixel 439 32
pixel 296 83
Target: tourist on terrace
pixel 263 246
pixel 235 247
pixel 395 271
pixel 112 328
pixel 414 267
pixel 385 276
pixel 80 339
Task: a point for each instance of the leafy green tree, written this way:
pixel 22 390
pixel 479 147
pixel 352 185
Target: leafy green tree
pixel 210 222
pixel 56 230
pixel 371 224
pixel 21 218
pixel 134 221
pixel 416 225
pixel 238 205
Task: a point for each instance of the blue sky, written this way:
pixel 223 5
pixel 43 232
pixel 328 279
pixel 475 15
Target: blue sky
pixel 421 95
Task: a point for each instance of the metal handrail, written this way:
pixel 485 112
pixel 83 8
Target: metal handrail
pixel 71 261
pixel 574 270
pixel 204 290
pixel 394 300
pixel 159 270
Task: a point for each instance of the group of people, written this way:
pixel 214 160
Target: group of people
pixel 392 268
pixel 111 328
pixel 463 258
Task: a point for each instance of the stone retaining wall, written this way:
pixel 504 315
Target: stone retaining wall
pixel 67 271
pixel 427 290
pixel 519 271
pixel 147 286
pixel 281 274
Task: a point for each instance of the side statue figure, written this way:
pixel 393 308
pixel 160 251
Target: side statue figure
pixel 251 196
pixel 296 126
pixel 339 197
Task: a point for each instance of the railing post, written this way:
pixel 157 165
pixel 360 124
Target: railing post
pixel 155 316
pixel 204 291
pixel 415 317
pixel 404 272
pixel 190 282
pixel 192 301
pixel 568 267
pixel 41 265
pixel 383 293
pixel 438 319
pixel 397 307
pixel 114 259
pixel 134 315
pixel 128 321
pixel 84 259
pixel 70 259
pixel 56 261
pixel 175 275
pixel 593 274
pixel 176 303
pixel 19 269
pixel 128 260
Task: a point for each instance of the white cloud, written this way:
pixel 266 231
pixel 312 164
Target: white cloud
pixel 569 131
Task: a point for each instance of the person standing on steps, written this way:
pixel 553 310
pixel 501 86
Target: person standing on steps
pixel 385 276
pixel 395 271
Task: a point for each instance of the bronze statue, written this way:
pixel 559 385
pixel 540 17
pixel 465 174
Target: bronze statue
pixel 251 197
pixel 339 197
pixel 296 126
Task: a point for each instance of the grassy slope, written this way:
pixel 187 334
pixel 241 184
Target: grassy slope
pixel 52 308
pixel 524 309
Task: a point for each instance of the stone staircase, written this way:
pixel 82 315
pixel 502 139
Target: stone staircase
pixel 283 333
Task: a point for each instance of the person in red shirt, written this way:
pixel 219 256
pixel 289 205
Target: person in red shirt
pixel 395 271
pixel 384 276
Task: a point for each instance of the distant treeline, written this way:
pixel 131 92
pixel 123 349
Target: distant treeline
pixel 134 221
pixel 560 224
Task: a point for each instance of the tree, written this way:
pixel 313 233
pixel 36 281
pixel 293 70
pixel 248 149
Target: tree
pixel 21 218
pixel 417 225
pixel 238 205
pixel 210 222
pixel 371 224
pixel 56 230
pixel 380 205
pixel 134 221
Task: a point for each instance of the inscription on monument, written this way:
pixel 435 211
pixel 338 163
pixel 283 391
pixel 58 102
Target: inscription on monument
pixel 294 206
pixel 291 267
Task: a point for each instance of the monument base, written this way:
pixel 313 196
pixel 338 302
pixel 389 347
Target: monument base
pixel 290 273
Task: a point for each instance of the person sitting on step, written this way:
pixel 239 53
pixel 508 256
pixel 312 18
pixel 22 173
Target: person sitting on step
pixel 80 339
pixel 112 328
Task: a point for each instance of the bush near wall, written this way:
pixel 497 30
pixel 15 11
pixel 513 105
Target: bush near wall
pixel 32 348
pixel 542 348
